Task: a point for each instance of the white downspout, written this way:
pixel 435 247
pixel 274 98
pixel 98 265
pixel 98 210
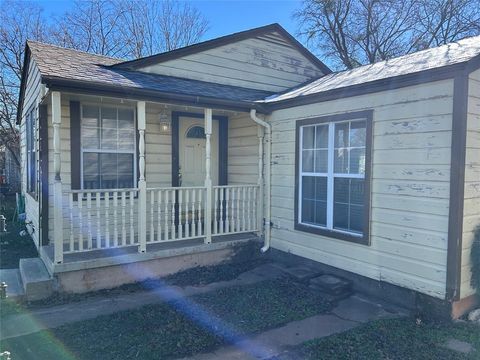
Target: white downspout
pixel 268 162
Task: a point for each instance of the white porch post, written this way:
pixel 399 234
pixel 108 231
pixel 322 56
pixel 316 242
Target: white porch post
pixel 57 185
pixel 208 179
pixel 142 184
pixel 260 135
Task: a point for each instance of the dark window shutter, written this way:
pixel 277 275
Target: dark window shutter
pixel 75 137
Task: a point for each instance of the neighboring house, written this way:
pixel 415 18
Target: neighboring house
pixel 373 172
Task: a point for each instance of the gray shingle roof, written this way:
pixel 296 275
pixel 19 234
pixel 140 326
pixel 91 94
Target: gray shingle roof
pixel 68 64
pixel 449 54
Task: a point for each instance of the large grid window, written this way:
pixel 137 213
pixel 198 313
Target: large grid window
pixel 108 147
pixel 31 153
pixel 332 168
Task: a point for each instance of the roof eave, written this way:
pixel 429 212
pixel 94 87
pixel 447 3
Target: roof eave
pixel 94 88
pixel 23 83
pixel 436 74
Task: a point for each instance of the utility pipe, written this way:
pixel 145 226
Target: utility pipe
pixel 268 162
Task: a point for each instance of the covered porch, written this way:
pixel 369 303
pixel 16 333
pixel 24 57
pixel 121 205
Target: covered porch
pixel 198 182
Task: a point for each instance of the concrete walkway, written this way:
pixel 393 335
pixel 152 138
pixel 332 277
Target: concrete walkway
pixel 274 343
pixel 50 317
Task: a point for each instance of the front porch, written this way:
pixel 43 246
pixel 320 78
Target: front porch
pixel 95 227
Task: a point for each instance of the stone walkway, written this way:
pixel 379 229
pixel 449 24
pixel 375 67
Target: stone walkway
pixel 274 343
pixel 348 313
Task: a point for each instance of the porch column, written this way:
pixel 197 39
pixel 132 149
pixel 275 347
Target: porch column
pixel 57 184
pixel 142 184
pixel 260 135
pixel 208 179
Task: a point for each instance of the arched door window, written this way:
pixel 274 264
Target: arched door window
pixel 195 132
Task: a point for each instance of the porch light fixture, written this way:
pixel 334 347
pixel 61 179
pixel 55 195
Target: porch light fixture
pixel 165 124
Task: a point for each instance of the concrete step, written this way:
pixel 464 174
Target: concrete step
pixel 301 273
pixel 37 282
pixel 14 283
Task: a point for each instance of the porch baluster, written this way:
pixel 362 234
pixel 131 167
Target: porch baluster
pixel 57 186
pixel 142 184
pixel 89 220
pixel 159 215
pixel 152 211
pixel 115 219
pixel 80 221
pixel 124 229
pixel 208 180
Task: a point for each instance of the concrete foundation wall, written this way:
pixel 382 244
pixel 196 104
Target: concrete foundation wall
pixel 81 281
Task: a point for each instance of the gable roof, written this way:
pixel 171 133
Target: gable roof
pixel 421 65
pixel 225 40
pixel 62 68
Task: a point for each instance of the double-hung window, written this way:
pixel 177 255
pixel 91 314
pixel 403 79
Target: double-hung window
pixel 31 152
pixel 332 176
pixel 108 147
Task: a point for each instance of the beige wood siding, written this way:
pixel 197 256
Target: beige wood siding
pixel 242 150
pixel 471 215
pixel 31 98
pixel 264 63
pixel 409 190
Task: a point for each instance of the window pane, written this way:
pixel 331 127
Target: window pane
pixel 126 140
pixel 357 161
pixel 90 164
pixel 321 161
pixel 341 161
pixel 348 204
pixel 90 138
pixel 307 160
pixel 321 138
pixel 356 218
pixel 109 139
pixel 341 135
pixel 125 181
pixel 126 124
pixel 125 164
pixel 358 133
pixel 108 163
pixel 314 200
pixel 108 181
pixel 308 137
pixel 125 114
pixel 340 216
pixel 109 123
pixel 109 113
pixel 90 115
pixel 91 181
pixel 357 191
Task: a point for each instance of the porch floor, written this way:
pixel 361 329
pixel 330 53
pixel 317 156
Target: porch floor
pixel 129 254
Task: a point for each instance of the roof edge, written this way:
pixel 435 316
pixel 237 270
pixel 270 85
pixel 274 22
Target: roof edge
pixel 391 83
pixel 219 41
pixel 23 82
pixel 88 87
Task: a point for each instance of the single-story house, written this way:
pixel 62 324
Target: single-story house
pixel 372 172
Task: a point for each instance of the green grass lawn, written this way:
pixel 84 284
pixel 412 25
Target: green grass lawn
pixel 13 247
pixel 394 339
pixel 176 329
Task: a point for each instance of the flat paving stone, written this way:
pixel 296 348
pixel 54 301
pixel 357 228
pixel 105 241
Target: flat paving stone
pixel 301 273
pixel 459 346
pixel 272 342
pixel 361 309
pixel 331 284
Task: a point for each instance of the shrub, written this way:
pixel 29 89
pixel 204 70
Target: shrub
pixel 475 260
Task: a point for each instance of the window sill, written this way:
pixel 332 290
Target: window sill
pixel 357 239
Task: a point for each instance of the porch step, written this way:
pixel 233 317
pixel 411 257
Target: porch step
pixel 37 282
pixel 14 283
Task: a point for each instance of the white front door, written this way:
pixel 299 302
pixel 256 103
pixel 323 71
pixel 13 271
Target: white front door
pixel 192 152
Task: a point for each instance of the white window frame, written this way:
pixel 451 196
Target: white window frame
pixel 330 174
pixel 117 151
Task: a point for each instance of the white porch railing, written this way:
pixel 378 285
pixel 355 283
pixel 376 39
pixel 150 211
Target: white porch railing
pixel 100 219
pixel 106 219
pixel 235 209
